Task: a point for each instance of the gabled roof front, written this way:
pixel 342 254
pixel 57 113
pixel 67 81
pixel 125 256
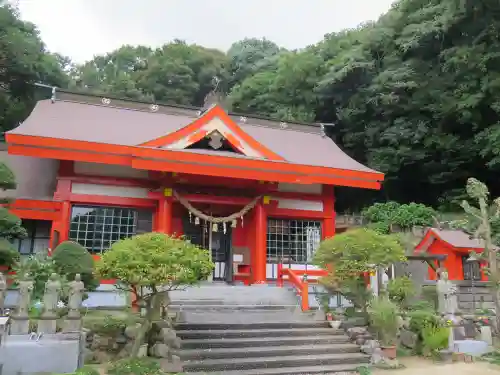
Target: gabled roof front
pixel 455 238
pixel 93 129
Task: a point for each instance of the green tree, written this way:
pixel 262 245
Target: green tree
pixel 349 255
pixel 10 225
pixel 480 220
pixel 23 61
pixel 149 266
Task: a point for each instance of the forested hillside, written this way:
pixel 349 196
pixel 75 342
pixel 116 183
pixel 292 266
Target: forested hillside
pixel 415 95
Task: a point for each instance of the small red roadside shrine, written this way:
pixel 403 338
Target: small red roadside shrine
pixel 457 246
pixel 254 191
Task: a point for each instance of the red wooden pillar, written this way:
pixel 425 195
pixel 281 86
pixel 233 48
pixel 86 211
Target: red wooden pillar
pixel 329 212
pixel 65 221
pixel 60 228
pixel 164 215
pixel 260 250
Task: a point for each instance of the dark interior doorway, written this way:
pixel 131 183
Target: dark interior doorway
pixel 221 245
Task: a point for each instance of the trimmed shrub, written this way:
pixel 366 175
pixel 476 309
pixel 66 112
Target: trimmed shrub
pixel 71 258
pixel 8 255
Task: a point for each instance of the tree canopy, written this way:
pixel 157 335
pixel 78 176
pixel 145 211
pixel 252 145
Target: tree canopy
pixel 414 94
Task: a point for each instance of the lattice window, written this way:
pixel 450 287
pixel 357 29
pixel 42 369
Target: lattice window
pixel 38 237
pixel 471 269
pixel 97 228
pixel 292 241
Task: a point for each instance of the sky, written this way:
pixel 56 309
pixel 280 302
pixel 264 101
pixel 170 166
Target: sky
pixel 81 29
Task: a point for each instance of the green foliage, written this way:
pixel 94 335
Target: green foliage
pixel 24 60
pixel 355 290
pixel 423 318
pixel 435 339
pixel 135 366
pixel 9 256
pixel 37 267
pixel 357 251
pixel 150 265
pixel 405 216
pixel 71 258
pixel 108 326
pixel 85 370
pixel 155 259
pixel 383 315
pixel 401 290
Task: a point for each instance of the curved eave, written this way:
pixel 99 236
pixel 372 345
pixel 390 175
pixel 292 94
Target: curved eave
pixel 177 161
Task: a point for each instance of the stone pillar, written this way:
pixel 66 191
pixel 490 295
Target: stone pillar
pixel 260 251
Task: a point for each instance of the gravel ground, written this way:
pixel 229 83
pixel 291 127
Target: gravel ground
pixel 417 366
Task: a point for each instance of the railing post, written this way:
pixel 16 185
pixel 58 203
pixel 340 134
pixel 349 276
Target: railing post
pixel 305 296
pixel 279 281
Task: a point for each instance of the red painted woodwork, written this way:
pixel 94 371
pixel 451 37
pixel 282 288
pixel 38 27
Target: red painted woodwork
pixel 260 252
pixel 453 262
pixel 160 160
pixel 164 215
pixel 329 212
pixel 196 125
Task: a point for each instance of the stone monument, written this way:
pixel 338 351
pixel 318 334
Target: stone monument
pixel 48 319
pixel 20 320
pixel 3 292
pixel 75 298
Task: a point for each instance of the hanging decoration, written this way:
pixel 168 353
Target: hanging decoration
pixel 190 217
pixel 224 228
pixel 214 221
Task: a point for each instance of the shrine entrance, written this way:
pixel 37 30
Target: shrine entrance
pixel 204 235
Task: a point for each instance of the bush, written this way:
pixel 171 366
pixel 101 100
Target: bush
pixel 401 290
pixel 406 216
pixel 383 315
pixel 71 258
pixel 435 339
pixel 421 319
pixel 8 255
pixel 135 366
pixel 37 267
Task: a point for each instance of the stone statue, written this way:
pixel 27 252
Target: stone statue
pixel 447 295
pixel 76 289
pixel 3 292
pixel 24 298
pixel 51 295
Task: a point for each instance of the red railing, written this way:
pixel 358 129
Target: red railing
pixel 297 279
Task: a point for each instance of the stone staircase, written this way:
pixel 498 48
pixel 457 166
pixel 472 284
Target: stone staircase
pixel 257 331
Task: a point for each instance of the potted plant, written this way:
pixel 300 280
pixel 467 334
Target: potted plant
pixel 383 315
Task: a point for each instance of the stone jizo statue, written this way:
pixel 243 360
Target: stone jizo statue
pixel 447 295
pixel 76 290
pixel 24 298
pixel 51 296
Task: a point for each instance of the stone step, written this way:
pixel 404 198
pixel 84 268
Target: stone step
pixel 258 341
pixel 268 351
pixel 255 333
pixel 306 370
pixel 275 362
pixel 245 326
pixel 231 307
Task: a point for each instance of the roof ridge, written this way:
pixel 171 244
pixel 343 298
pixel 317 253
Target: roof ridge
pixel 194 112
pixel 181 106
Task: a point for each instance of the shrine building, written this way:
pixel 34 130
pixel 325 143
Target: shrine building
pixel 255 191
